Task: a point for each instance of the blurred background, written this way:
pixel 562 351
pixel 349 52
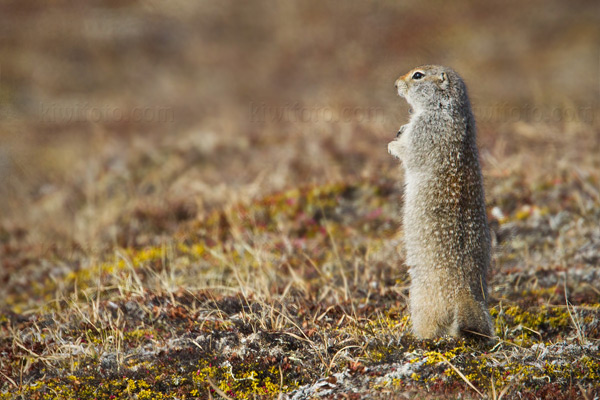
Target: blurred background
pixel 119 120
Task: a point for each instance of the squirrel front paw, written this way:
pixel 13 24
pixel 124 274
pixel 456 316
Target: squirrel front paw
pixel 401 131
pixel 394 148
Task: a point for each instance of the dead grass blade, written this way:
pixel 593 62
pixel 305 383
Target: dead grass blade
pixel 216 389
pixel 576 324
pixel 463 377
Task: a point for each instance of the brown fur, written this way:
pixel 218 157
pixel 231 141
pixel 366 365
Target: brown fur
pixel 445 226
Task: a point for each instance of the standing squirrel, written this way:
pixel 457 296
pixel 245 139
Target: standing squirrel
pixel 446 231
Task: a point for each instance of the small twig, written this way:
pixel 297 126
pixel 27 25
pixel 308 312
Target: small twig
pixel 593 288
pixel 250 378
pixel 573 318
pixel 10 380
pixel 196 344
pixel 477 334
pixel 464 378
pixel 280 382
pixel 584 392
pixel 30 352
pixel 216 389
pixel 337 353
pixel 532 330
pixel 505 390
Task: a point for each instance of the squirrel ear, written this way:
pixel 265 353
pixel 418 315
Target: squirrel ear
pixel 443 80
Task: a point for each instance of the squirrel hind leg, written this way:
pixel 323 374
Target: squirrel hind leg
pixel 472 321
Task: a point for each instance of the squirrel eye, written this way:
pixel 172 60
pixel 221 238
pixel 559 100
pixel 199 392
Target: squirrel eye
pixel 417 75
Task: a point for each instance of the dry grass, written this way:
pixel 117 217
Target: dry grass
pixel 241 239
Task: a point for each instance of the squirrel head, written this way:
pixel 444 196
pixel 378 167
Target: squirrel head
pixel 432 87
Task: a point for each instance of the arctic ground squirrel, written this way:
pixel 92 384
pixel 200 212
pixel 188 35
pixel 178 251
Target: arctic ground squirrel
pixel 446 232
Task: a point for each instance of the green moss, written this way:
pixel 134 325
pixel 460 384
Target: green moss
pixel 273 238
pixel 522 326
pixel 242 382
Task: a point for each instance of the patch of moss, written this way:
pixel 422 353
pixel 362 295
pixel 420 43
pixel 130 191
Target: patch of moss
pixel 523 325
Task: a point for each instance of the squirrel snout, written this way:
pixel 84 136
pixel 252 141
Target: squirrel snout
pixel 400 86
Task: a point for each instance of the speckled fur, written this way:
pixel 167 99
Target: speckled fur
pixel 445 226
